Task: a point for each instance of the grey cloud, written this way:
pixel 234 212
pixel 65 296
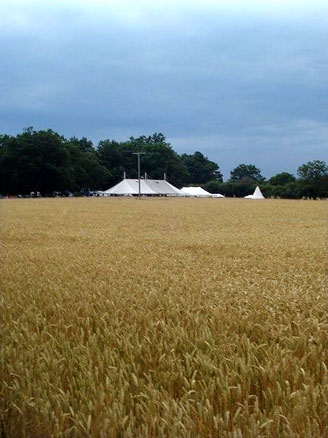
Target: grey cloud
pixel 274 148
pixel 235 86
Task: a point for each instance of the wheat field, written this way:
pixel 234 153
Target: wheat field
pixel 182 318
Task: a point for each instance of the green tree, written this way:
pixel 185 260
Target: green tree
pixel 35 161
pixel 290 190
pixel 117 158
pixel 313 180
pixel 87 172
pixel 8 178
pixel 214 186
pixel 313 170
pixel 158 158
pixel 281 179
pixel 246 172
pixel 45 161
pixel 201 169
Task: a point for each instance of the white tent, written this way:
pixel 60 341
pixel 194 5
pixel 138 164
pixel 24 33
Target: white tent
pixel 155 187
pixel 199 193
pixel 195 191
pixel 256 195
pixel 217 195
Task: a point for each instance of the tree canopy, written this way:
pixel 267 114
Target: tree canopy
pixel 158 158
pixel 201 169
pixel 313 170
pixel 246 172
pixel 45 161
pixel 34 161
pixel 281 179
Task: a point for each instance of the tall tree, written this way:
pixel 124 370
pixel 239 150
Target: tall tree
pixel 35 161
pixel 313 170
pixel 158 158
pixel 246 171
pixel 281 179
pixel 313 179
pixel 87 171
pixel 201 169
pixel 117 158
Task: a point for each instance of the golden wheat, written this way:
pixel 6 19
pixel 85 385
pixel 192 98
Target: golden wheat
pixel 163 318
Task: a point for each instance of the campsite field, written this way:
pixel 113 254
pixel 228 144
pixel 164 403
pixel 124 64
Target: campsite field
pixel 172 318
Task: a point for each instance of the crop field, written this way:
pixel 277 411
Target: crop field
pixel 176 318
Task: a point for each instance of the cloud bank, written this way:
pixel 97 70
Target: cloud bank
pixel 239 81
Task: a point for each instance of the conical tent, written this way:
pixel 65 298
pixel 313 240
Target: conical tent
pixel 256 195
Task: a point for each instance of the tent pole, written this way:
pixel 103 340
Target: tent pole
pixel 139 174
pixel 139 153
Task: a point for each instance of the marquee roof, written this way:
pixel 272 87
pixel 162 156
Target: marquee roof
pixel 147 187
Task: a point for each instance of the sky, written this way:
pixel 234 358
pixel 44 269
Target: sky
pixel 242 81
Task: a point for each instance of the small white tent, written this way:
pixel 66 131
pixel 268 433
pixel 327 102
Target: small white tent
pixel 198 192
pixel 217 195
pixel 256 195
pixel 195 191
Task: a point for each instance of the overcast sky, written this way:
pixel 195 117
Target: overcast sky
pixel 240 81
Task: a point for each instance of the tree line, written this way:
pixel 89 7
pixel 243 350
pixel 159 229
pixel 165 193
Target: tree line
pixel 46 162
